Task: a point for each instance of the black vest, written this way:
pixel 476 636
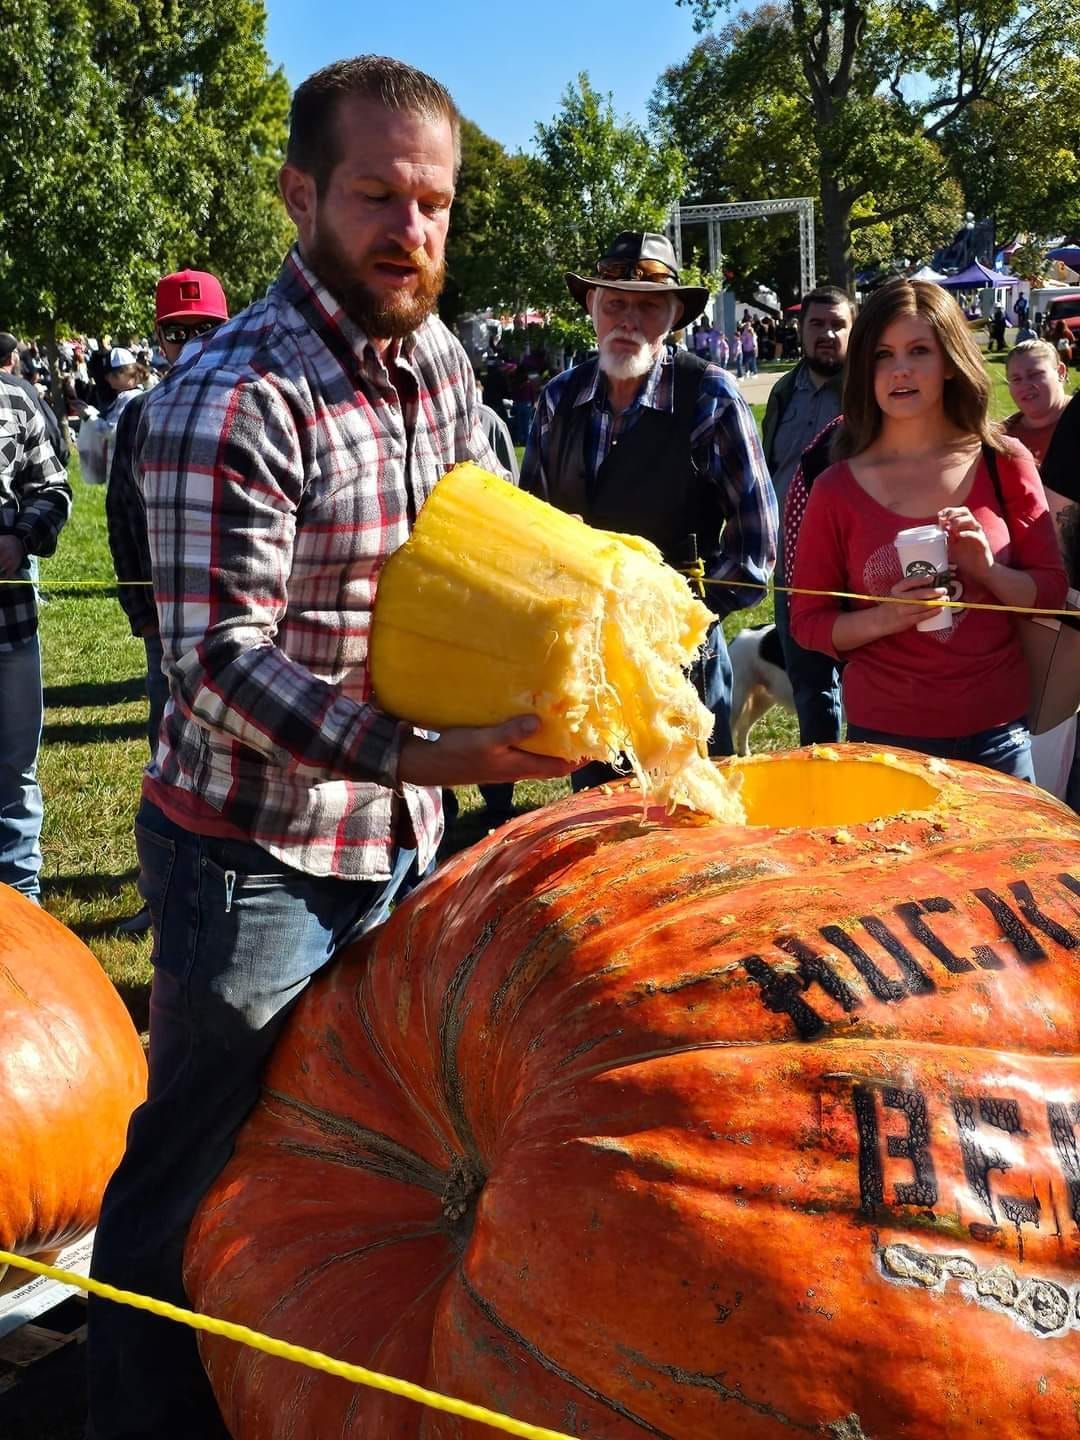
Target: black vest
pixel 648 484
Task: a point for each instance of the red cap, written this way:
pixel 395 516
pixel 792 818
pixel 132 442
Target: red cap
pixel 190 294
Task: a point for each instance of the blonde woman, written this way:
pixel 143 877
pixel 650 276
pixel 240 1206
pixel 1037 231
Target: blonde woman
pixel 917 448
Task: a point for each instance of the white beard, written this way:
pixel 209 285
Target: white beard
pixel 630 365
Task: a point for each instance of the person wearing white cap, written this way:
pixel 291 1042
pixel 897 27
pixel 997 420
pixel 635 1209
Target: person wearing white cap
pixel 122 377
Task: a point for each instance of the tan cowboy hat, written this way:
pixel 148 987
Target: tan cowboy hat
pixel 641 260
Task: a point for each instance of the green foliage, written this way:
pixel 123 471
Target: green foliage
pixel 1029 261
pixel 521 221
pixel 903 111
pixel 140 137
pixel 595 175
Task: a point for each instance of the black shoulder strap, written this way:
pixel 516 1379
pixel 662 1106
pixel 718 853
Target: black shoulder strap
pixel 990 456
pixel 686 382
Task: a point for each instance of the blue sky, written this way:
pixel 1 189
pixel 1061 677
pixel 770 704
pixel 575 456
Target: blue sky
pixel 506 64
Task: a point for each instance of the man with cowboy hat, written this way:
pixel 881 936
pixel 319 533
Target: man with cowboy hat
pixel 656 442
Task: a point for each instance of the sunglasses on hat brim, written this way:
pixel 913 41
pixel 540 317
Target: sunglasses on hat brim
pixel 653 270
pixel 177 332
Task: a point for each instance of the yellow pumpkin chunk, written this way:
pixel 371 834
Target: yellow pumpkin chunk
pixel 500 605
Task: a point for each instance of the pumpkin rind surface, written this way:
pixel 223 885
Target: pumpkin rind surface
pixel 71 1072
pixel 634 1126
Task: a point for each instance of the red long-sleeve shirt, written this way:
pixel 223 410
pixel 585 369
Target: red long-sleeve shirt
pixel 937 683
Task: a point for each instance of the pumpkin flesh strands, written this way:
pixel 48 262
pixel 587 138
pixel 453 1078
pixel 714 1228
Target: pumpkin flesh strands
pixel 499 604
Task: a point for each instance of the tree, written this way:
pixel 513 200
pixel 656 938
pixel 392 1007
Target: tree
pixel 495 252
pixel 595 175
pixel 138 138
pixel 881 85
pixel 1029 262
pixel 521 221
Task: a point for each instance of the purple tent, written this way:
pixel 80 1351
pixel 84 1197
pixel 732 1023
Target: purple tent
pixel 1068 255
pixel 977 277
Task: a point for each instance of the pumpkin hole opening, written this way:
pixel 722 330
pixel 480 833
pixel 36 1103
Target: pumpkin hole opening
pixel 806 791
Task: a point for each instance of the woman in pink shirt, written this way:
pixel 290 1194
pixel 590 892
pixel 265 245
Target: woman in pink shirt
pixel 917 448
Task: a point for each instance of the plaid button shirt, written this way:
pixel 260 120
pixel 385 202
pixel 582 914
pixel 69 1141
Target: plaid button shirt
pixel 725 446
pixel 280 464
pixel 35 502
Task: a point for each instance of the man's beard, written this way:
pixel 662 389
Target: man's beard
pixel 825 365
pixel 630 365
pixel 390 316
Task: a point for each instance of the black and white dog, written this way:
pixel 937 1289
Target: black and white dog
pixel 759 681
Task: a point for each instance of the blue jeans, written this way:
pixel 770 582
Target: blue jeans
pixel 1003 747
pixel 815 679
pixel 712 678
pixel 21 712
pixel 157 688
pixel 237 937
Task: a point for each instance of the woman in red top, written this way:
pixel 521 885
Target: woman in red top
pixel 914 451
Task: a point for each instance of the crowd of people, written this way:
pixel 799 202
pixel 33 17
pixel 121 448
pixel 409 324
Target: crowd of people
pixel 287 454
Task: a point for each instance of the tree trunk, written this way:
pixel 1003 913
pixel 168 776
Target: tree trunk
pixel 836 225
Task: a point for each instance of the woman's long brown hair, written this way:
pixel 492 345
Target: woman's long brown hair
pixel 967 390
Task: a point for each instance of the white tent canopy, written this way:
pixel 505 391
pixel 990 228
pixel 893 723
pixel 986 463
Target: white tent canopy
pixel 926 272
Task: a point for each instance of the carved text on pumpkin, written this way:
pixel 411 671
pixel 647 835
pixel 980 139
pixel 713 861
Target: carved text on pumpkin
pixel 975 1119
pixel 784 987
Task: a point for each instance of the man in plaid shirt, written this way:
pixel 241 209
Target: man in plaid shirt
pixel 35 501
pixel 281 463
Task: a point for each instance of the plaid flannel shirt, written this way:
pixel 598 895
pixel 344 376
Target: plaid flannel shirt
pixel 725 446
pixel 280 463
pixel 35 502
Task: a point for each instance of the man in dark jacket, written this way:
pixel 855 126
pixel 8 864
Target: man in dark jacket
pixel 659 443
pixel 800 405
pixel 11 369
pixel 188 304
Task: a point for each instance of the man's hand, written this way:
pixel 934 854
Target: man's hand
pixel 12 555
pixel 478 755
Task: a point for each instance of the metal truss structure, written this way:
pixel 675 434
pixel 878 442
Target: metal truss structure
pixel 713 215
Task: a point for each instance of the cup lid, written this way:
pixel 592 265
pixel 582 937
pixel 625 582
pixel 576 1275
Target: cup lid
pixel 921 535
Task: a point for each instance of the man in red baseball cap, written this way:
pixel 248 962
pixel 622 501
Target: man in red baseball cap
pixel 188 305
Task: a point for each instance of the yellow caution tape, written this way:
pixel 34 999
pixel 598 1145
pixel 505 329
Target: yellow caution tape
pixel 312 1359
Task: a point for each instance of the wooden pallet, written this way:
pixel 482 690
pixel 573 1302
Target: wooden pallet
pixel 63 1325
pixel 41 1316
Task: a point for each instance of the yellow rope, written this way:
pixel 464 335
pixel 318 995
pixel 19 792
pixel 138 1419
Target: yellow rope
pixel 696 574
pixel 313 1359
pixel 692 573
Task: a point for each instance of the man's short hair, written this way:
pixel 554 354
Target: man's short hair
pixel 8 346
pixel 313 140
pixel 825 295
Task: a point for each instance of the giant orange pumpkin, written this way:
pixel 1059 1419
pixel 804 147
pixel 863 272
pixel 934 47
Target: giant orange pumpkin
pixel 71 1072
pixel 637 1126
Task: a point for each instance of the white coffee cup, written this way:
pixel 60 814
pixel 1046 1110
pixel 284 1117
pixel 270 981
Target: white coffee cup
pixel 924 551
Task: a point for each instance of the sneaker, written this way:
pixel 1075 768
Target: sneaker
pixel 137 924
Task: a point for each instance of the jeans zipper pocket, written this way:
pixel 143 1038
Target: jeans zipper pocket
pixel 230 886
